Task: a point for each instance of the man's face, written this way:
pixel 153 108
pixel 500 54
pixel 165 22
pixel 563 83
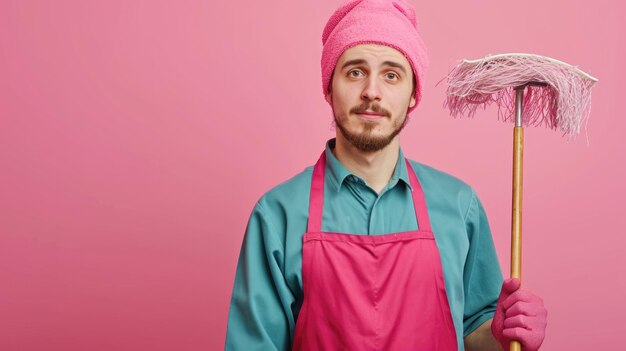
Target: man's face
pixel 371 91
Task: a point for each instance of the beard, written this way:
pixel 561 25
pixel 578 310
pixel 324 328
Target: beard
pixel 365 141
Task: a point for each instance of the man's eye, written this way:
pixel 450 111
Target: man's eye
pixel 355 73
pixel 391 75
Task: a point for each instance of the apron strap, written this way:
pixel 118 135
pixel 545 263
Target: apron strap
pixel 419 200
pixel 316 197
pixel 316 200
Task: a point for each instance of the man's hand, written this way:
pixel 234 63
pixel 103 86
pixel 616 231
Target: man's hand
pixel 520 315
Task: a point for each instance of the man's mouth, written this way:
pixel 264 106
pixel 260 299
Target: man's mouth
pixel 370 115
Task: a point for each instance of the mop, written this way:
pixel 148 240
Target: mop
pixel 530 90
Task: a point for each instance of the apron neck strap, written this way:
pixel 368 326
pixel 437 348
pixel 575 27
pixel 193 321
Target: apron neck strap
pixel 419 200
pixel 316 200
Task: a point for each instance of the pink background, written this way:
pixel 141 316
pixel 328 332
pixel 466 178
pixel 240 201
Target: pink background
pixel 136 136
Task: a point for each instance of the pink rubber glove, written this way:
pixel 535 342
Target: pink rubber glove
pixel 520 315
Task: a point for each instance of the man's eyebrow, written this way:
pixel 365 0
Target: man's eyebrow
pixel 353 62
pixel 395 65
pixel 362 61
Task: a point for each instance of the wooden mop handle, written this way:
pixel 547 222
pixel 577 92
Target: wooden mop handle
pixel 516 223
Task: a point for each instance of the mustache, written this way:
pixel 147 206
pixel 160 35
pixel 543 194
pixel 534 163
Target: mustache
pixel 370 106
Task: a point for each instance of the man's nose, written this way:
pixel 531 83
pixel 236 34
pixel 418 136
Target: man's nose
pixel 371 89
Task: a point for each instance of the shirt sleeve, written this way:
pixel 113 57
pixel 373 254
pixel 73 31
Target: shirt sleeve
pixel 260 316
pixel 482 277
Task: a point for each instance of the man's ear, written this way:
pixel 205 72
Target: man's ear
pixel 412 102
pixel 329 91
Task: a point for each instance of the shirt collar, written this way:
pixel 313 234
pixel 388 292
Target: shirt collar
pixel 337 172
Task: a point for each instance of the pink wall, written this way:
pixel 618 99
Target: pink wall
pixel 135 137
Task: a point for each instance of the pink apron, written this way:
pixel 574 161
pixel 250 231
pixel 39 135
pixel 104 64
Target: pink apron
pixel 383 292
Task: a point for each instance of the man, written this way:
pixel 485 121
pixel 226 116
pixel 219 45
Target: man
pixel 367 250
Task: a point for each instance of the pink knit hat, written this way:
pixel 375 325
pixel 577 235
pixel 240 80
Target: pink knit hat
pixel 387 22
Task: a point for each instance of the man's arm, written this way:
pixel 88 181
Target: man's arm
pixel 482 339
pixel 482 277
pixel 518 314
pixel 260 316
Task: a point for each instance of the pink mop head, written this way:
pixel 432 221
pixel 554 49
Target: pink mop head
pixel 559 95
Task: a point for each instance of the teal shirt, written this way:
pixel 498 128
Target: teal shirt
pixel 267 294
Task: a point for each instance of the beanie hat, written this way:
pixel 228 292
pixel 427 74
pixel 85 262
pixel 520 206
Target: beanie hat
pixel 386 22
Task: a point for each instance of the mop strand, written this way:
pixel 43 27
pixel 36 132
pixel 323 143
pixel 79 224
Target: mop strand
pixel 558 96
